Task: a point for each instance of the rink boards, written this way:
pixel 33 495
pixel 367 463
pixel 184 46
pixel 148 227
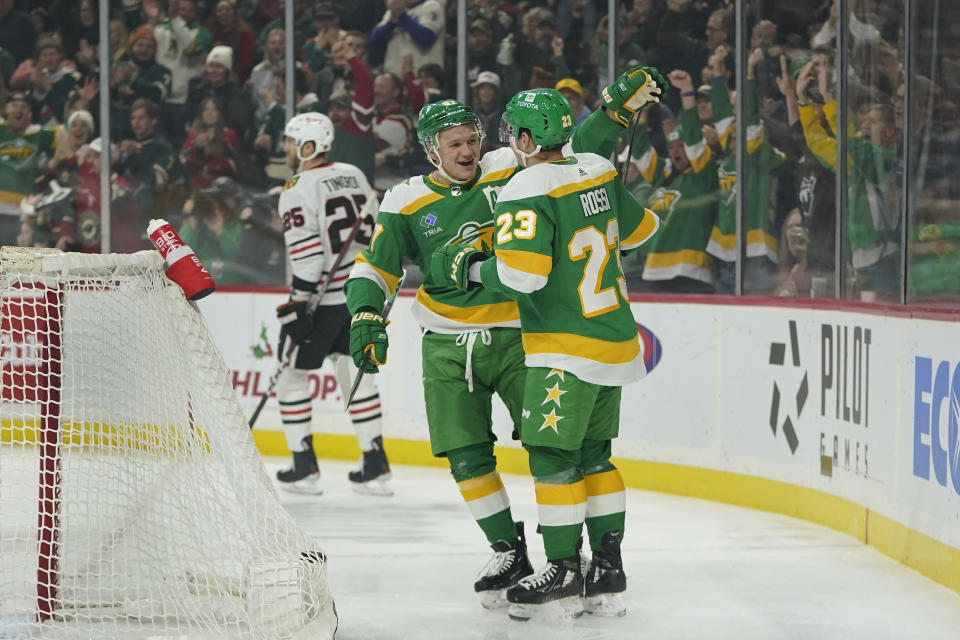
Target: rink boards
pixel 845 416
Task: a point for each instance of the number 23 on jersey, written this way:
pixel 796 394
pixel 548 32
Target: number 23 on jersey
pixel 587 244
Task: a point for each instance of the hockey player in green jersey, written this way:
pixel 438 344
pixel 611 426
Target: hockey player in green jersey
pixel 560 227
pixel 471 342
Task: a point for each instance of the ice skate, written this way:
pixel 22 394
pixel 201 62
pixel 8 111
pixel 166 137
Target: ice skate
pixel 507 566
pixel 604 579
pixel 372 475
pixel 303 476
pixel 558 584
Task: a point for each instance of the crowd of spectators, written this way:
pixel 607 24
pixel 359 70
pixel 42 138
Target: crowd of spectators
pixel 197 109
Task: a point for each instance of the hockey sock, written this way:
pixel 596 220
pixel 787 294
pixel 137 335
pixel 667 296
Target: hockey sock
pixel 366 418
pixel 296 414
pixel 296 408
pixel 365 411
pixel 474 469
pixel 606 493
pixel 561 499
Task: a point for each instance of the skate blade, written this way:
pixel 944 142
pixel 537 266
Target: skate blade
pixel 558 610
pixel 309 485
pixel 609 605
pixel 379 486
pixel 494 600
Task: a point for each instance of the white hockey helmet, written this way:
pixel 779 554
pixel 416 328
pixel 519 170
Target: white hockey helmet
pixel 310 127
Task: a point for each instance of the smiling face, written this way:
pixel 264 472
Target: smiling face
pixel 17 114
pixel 458 151
pixel 79 131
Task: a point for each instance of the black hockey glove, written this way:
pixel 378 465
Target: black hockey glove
pixel 295 321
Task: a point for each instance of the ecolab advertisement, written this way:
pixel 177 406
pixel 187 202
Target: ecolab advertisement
pixel 857 405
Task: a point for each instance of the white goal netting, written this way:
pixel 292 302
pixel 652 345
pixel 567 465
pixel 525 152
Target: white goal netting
pixel 133 502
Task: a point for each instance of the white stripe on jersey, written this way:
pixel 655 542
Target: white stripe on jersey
pixel 318 207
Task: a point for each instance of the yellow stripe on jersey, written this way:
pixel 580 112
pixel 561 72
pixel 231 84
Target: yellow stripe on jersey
pixel 526 261
pixel 602 351
pixel 561 494
pixel 481 487
pixel 647 163
pixel 503 174
pixel 647 227
pixel 390 279
pixel 754 236
pixel 696 257
pixel 755 134
pixel 759 236
pixel 699 155
pixel 420 203
pixel 725 241
pixel 603 483
pixel 580 186
pixel 493 314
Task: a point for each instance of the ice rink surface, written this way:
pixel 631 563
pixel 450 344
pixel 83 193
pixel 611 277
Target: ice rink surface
pixel 403 568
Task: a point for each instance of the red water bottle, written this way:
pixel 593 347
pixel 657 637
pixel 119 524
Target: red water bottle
pixel 183 266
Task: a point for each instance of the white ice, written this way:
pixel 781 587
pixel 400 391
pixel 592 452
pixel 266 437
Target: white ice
pixel 402 568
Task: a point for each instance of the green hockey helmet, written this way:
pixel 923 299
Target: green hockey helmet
pixel 437 116
pixel 546 113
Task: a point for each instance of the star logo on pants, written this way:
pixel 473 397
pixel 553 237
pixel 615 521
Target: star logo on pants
pixel 553 394
pixel 555 372
pixel 550 421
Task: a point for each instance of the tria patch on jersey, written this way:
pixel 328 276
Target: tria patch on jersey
pixel 292 181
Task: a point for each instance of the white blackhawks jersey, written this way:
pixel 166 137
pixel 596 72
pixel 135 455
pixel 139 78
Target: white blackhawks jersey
pixel 318 208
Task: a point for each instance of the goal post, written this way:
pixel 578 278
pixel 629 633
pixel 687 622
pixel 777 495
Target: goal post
pixel 133 500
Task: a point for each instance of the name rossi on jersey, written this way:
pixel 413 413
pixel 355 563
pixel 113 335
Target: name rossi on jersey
pixel 595 202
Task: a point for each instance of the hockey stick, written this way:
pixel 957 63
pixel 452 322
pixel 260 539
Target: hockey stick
pixel 348 399
pixel 311 307
pixel 625 169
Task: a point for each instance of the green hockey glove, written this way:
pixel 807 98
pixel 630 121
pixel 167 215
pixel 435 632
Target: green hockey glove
pixel 633 90
pixel 368 335
pixel 450 264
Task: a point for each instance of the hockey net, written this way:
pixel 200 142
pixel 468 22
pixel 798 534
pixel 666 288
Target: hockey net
pixel 133 501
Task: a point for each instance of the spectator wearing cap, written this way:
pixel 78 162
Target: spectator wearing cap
pixel 50 83
pixel 70 139
pixel 410 25
pixel 684 189
pixel 572 90
pixel 392 130
pixel 539 51
pixel 16 31
pixel 239 105
pixel 139 78
pixel 230 30
pixel 150 163
pixel 488 105
pixel 182 47
pixel 481 47
pixel 352 114
pixel 22 148
pixel 317 49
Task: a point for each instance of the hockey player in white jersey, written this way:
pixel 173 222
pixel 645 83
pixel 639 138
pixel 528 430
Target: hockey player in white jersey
pixel 318 207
